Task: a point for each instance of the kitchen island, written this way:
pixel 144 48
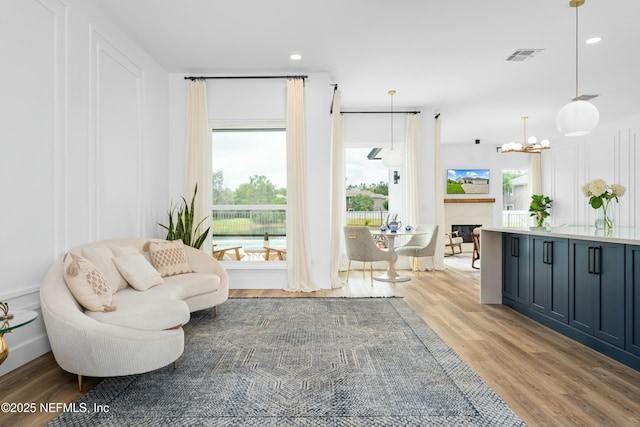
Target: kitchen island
pixel 582 282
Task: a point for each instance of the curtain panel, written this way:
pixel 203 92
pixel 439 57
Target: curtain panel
pixel 298 248
pixel 338 192
pixel 411 198
pixel 439 194
pixel 198 168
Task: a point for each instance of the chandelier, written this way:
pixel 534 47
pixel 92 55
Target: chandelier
pixel 528 145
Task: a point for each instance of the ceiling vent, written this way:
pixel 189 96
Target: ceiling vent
pixel 523 54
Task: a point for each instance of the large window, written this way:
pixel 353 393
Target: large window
pixel 249 185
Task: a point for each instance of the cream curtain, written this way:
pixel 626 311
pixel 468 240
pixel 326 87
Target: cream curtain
pixel 411 198
pixel 438 197
pixel 298 252
pixel 338 193
pixel 198 168
pixel 535 175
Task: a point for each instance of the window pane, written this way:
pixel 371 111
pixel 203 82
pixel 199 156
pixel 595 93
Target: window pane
pixel 253 161
pixel 249 183
pixel 367 188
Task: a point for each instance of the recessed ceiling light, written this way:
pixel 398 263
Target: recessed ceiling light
pixel 593 40
pixel 296 57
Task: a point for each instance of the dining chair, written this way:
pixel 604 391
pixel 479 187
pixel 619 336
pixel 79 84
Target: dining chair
pixel 421 244
pixel 361 247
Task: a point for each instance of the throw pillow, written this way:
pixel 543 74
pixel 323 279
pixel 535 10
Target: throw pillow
pixel 88 286
pixel 102 258
pixel 137 271
pixel 169 257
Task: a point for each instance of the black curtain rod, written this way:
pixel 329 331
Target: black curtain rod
pixel 244 77
pixel 379 112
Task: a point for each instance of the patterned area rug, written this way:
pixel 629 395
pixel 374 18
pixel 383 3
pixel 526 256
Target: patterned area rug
pixel 303 362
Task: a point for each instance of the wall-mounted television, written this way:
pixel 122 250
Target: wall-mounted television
pixel 467 181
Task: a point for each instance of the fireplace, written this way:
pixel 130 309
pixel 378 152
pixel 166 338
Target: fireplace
pixel 465 231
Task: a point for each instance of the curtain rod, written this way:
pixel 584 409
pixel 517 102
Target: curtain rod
pixel 380 112
pixel 244 77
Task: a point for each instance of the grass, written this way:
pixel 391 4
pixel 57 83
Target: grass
pixel 454 188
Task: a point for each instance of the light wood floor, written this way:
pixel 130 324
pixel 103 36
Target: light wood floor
pixel 547 379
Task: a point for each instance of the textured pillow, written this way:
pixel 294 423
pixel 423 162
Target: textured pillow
pixel 169 257
pixel 102 258
pixel 137 271
pixel 88 286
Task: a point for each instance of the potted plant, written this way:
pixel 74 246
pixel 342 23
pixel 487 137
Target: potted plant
pixel 539 208
pixel 181 226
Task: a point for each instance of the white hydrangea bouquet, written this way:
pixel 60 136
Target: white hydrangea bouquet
pixel 600 195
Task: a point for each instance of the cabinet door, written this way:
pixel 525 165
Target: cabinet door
pixel 557 255
pixel 581 286
pixel 550 277
pixel 609 292
pixel 632 324
pixel 540 274
pixel 515 256
pixel 509 267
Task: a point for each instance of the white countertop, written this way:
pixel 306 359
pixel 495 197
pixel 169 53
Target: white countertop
pixel 625 235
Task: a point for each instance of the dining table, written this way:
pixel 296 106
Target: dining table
pixel 391 275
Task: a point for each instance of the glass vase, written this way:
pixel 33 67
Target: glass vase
pixel 604 216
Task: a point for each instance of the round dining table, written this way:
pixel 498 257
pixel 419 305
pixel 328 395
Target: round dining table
pixel 391 275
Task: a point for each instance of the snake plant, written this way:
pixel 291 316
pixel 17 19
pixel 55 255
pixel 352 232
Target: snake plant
pixel 180 226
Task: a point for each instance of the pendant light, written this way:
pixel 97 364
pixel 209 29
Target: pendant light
pixel 392 157
pixel 577 117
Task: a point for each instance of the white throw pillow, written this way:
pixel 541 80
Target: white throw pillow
pixel 137 271
pixel 88 286
pixel 102 258
pixel 169 257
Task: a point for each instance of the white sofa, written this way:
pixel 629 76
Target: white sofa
pixel 144 333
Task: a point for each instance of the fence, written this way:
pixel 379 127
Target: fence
pixel 250 220
pixel 515 218
pixel 255 220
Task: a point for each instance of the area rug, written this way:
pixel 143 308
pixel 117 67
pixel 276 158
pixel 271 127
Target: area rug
pixel 302 362
pixel 462 262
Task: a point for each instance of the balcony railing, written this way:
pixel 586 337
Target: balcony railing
pixel 249 220
pixel 255 220
pixel 515 218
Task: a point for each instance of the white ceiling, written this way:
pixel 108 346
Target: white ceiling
pixel 440 56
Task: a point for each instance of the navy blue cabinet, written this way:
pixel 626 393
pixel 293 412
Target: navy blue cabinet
pixel 550 277
pixel 515 268
pixel 587 290
pixel 597 290
pixel 633 299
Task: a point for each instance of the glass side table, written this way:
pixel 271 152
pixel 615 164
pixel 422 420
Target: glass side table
pixel 11 322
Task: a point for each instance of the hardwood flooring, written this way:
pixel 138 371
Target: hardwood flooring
pixel 546 378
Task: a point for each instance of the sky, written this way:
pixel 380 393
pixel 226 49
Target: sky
pixel 241 156
pixel 467 173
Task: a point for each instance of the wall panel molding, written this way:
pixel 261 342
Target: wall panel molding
pixel 103 52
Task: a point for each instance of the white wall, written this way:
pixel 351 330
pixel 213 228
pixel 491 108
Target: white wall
pixel 610 153
pixel 84 145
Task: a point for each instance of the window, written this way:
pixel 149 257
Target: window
pixel 249 181
pixel 367 188
pixel 515 198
